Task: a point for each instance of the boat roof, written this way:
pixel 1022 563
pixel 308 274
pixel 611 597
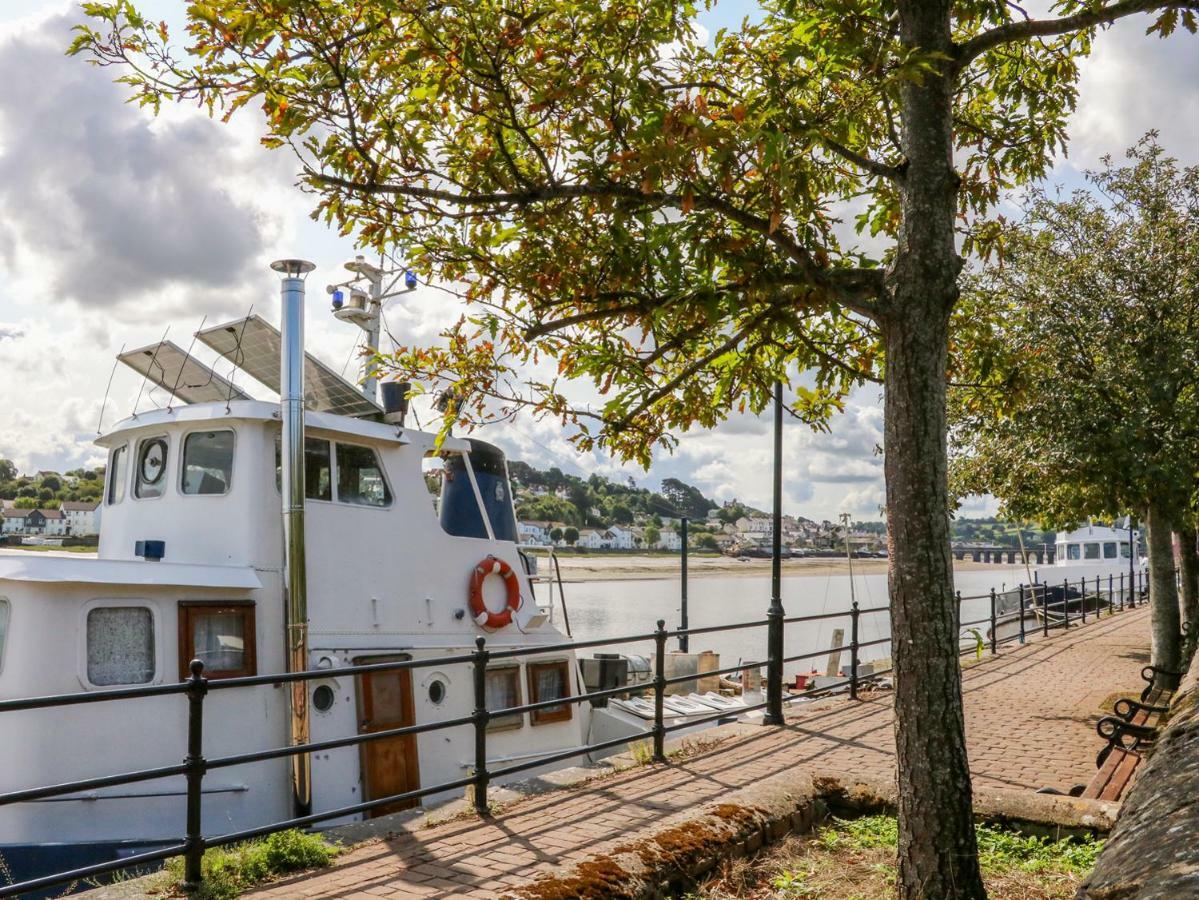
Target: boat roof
pixel 259 410
pixel 1092 533
pixel 21 565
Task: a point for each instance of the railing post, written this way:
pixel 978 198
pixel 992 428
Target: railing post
pixel 659 691
pixel 1066 603
pixel 1111 596
pixel 1121 592
pixel 1082 583
pixel 774 665
pixel 482 716
pixel 993 624
pixel 1044 609
pixel 684 621
pixel 193 856
pixel 854 615
pixel 1022 611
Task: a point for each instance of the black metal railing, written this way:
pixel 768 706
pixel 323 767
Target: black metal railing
pixel 196 688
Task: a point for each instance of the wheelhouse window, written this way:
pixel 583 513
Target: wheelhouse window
pixel 220 635
pixel 1109 550
pixel 318 468
pixel 1091 551
pixel 116 474
pixel 1073 551
pixel 151 468
pixel 120 645
pixel 1124 552
pixel 360 477
pixel 549 681
pixel 207 462
pixel 4 615
pixel 503 692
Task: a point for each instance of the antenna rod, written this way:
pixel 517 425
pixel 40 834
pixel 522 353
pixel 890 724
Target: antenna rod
pixel 186 357
pixel 104 402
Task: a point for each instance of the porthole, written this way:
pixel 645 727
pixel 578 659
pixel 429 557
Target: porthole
pixel 323 698
pixel 436 692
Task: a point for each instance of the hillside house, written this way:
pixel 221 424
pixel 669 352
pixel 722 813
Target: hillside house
pixel 81 516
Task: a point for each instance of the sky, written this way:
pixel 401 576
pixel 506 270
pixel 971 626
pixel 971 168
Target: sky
pixel 115 226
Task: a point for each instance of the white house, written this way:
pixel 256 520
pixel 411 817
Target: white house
pixel 669 540
pixel 534 532
pixel 81 517
pixel 755 525
pixel 593 540
pixel 621 538
pixel 54 521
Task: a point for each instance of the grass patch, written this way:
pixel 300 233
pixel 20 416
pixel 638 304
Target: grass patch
pixel 228 871
pixel 855 860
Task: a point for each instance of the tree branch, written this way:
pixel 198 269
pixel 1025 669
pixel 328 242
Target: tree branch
pixel 1030 28
pixel 873 166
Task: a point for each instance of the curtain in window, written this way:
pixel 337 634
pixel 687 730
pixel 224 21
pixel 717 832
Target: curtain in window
pixel 550 683
pixel 219 641
pixel 120 645
pixel 503 692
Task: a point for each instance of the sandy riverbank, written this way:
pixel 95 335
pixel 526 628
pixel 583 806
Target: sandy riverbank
pixel 623 568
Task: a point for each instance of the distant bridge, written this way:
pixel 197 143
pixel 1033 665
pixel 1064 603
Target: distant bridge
pixel 992 553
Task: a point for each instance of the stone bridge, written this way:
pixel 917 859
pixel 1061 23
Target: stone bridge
pixel 992 553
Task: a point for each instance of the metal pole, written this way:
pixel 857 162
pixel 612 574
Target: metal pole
pixel 1044 608
pixel 774 637
pixel 1121 592
pixel 1021 612
pixel 993 624
pixel 1132 559
pixel 1066 603
pixel 193 857
pixel 684 638
pixel 291 401
pixel 1082 583
pixel 481 716
pixel 854 614
pixel 659 691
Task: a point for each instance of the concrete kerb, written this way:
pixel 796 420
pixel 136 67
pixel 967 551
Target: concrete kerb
pixel 684 847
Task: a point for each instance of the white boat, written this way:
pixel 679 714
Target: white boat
pixel 261 538
pixel 1091 564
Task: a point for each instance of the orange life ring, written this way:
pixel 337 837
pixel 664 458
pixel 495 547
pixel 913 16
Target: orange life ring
pixel 483 616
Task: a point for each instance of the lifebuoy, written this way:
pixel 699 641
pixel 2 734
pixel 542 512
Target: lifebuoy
pixel 483 616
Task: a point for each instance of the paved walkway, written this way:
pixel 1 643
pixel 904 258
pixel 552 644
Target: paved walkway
pixel 1030 715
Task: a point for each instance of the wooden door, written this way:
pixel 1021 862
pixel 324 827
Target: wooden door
pixel 389 765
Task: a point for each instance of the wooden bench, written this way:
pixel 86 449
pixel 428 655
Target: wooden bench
pixel 1129 733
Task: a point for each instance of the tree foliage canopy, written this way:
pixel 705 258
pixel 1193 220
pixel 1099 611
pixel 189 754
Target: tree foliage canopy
pixel 660 216
pixel 1087 396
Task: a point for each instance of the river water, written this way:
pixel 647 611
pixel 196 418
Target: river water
pixel 629 607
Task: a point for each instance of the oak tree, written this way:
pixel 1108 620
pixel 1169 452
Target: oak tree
pixel 662 217
pixel 1084 398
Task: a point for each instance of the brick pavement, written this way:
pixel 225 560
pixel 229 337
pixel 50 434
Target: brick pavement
pixel 1030 714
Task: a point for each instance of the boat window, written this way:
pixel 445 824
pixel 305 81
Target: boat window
pixel 1091 551
pixel 220 635
pixel 1073 551
pixel 207 462
pixel 360 477
pixel 1109 550
pixel 4 612
pixel 503 692
pixel 318 471
pixel 116 474
pixel 151 468
pixel 120 645
pixel 549 681
pixel 1124 549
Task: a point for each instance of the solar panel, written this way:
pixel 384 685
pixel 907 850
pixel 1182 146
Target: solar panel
pixel 184 376
pixel 253 345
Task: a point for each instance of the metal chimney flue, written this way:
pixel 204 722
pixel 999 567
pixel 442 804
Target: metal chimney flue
pixel 295 610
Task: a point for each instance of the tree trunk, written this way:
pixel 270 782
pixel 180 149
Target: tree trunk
pixel 938 855
pixel 1163 590
pixel 1188 558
